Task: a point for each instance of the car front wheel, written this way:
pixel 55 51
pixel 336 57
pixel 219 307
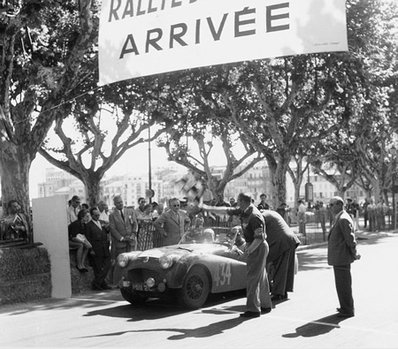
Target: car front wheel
pixel 195 289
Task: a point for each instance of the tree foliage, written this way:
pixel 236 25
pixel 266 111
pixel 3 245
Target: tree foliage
pixel 103 125
pixel 201 112
pixel 44 49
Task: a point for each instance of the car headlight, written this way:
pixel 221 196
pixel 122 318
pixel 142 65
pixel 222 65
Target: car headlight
pixel 166 261
pixel 122 260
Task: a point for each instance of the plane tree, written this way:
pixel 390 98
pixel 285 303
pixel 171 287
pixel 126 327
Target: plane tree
pixel 44 45
pixel 365 105
pixel 277 104
pixel 101 127
pixel 203 120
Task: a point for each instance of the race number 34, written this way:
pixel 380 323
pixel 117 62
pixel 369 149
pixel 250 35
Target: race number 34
pixel 223 275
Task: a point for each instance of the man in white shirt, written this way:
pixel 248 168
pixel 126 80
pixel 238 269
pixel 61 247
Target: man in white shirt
pixel 104 215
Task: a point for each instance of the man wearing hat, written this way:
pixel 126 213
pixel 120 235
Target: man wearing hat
pixel 342 252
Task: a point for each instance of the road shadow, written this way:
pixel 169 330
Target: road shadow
pixel 316 327
pixel 183 333
pixel 155 308
pixel 152 309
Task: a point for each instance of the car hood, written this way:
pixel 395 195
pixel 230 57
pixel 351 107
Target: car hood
pixel 180 250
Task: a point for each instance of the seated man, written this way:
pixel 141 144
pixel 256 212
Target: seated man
pixel 229 237
pixel 240 242
pixel 197 233
pixel 236 243
pixel 208 235
pixel 16 224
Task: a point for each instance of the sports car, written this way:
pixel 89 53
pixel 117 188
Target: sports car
pixel 190 270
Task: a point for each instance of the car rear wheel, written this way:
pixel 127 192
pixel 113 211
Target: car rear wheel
pixel 132 297
pixel 195 289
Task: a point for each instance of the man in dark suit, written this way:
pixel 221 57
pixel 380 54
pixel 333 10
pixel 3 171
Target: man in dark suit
pixel 100 253
pixel 123 226
pixel 172 224
pixel 342 252
pixel 282 243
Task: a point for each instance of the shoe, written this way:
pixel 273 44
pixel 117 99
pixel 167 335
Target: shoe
pixel 265 310
pixel 342 313
pixel 250 314
pixel 278 297
pixel 345 315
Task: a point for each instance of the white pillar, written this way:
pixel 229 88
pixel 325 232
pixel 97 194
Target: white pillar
pixel 50 228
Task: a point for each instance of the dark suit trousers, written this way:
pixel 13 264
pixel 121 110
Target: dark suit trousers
pixel 283 278
pixel 101 266
pixel 342 277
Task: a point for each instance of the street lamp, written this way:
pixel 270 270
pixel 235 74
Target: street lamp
pixel 309 189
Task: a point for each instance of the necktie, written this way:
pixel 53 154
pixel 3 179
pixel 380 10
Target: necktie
pixel 121 213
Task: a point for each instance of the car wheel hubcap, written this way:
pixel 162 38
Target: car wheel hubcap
pixel 195 287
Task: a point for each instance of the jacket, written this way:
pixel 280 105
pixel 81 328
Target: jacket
pixel 98 239
pixel 342 245
pixel 280 237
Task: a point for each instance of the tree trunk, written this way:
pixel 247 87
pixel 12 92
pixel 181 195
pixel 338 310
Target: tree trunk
pixel 297 187
pixel 278 171
pixel 93 190
pixel 14 170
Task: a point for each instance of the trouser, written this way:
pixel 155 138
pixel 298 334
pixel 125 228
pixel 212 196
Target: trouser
pixel 343 281
pixel 101 267
pixel 323 225
pixel 283 279
pixel 257 280
pixel 302 227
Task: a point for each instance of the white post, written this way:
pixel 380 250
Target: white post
pixel 50 228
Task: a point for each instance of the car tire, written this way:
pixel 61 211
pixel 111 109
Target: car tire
pixel 195 288
pixel 132 297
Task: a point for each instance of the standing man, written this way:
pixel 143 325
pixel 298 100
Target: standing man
pixel 263 205
pixel 323 214
pixel 253 226
pixel 341 253
pixel 73 209
pixel 101 257
pixel 123 227
pixel 104 214
pixel 282 243
pixel 301 216
pixel 172 224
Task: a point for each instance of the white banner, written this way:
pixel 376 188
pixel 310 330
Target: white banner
pixel 145 37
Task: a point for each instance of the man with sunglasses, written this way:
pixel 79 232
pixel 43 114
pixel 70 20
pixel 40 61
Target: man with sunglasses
pixel 172 224
pixel 342 252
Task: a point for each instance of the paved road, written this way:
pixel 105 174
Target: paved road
pixel 306 320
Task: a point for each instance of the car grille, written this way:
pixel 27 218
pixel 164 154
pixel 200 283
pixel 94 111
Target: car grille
pixel 140 275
